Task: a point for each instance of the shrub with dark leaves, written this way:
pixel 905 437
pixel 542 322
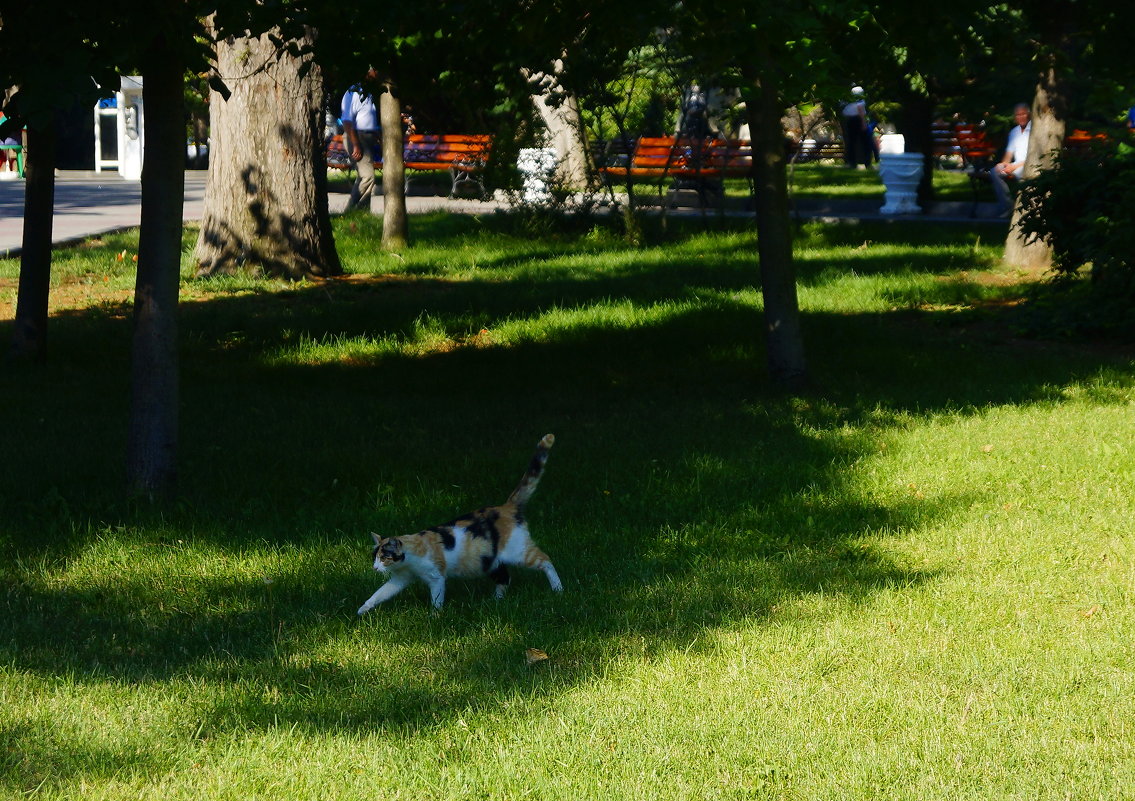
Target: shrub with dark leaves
pixel 1085 209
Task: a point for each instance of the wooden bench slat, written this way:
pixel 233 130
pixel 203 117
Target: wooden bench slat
pixel 460 154
pixel 693 164
pixel 657 156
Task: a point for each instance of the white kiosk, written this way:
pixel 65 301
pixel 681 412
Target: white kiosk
pixel 120 120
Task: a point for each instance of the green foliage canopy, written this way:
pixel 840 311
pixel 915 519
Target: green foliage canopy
pixel 1085 210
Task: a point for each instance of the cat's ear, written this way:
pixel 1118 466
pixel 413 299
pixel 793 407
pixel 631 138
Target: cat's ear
pixel 377 539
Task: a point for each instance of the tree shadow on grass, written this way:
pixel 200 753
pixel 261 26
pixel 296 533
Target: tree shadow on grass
pixel 682 497
pixel 294 655
pixel 39 755
pixel 660 538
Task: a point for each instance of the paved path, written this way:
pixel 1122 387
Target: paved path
pixel 87 204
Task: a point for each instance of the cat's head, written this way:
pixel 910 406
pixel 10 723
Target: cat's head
pixel 387 551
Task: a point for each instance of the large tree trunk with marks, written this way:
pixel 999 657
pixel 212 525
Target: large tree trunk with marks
pixel 784 341
pixel 560 113
pixel 395 224
pixel 29 336
pixel 1049 121
pixel 266 199
pixel 152 438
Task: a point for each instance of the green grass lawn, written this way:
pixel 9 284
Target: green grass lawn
pixel 814 180
pixel 916 581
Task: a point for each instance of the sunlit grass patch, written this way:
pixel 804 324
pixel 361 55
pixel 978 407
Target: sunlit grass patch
pixel 430 335
pixel 912 581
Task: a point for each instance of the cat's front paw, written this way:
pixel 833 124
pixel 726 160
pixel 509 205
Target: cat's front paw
pixel 364 609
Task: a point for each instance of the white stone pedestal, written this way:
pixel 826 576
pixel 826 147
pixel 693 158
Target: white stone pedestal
pixel 901 173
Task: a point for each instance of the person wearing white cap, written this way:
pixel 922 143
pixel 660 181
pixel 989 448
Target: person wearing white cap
pixel 853 116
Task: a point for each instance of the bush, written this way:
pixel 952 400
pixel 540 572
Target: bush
pixel 1085 210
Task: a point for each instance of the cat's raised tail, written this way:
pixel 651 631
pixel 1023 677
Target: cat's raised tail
pixel 531 476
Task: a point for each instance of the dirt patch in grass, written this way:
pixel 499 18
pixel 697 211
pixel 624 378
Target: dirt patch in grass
pixel 1001 319
pixel 69 296
pixel 1001 277
pixel 89 291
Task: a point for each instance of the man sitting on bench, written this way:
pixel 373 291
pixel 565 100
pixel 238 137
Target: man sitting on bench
pixel 1012 164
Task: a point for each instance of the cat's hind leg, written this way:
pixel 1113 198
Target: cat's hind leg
pixel 553 577
pixel 393 586
pixel 538 560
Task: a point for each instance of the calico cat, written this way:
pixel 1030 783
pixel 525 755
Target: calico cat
pixel 481 543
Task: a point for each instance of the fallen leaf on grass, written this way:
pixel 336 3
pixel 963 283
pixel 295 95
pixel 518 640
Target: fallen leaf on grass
pixel 534 655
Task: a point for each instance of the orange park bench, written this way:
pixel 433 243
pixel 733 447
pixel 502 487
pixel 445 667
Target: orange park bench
pixel 944 142
pixel 1081 141
pixel 462 155
pixel 337 158
pixel 697 164
pixel 977 153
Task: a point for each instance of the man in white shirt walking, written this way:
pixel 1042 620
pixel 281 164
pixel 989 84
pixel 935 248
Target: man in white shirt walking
pixel 360 134
pixel 1012 163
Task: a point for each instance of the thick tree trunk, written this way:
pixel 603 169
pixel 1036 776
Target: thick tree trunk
pixel 1049 121
pixel 152 441
pixel 266 198
pixel 566 135
pixel 395 226
pixel 784 341
pixel 565 130
pixel 29 337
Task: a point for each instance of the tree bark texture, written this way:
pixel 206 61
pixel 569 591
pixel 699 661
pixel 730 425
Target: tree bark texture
pixel 29 335
pixel 395 223
pixel 784 341
pixel 1049 121
pixel 266 197
pixel 565 129
pixel 152 437
pixel 916 117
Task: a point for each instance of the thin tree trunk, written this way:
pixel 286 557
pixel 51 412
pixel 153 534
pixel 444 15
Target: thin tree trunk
pixel 29 337
pixel 266 197
pixel 395 226
pixel 1049 121
pixel 916 116
pixel 784 340
pixel 152 440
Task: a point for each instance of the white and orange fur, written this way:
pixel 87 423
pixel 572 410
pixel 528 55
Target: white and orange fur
pixel 482 543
